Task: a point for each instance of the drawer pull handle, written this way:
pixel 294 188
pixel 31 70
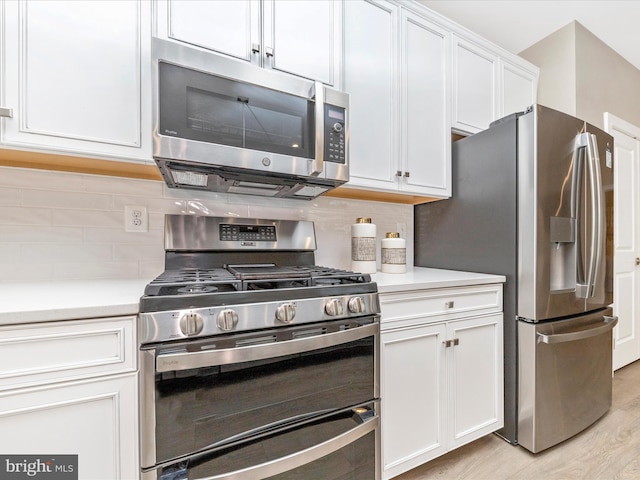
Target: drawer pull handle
pixel 448 304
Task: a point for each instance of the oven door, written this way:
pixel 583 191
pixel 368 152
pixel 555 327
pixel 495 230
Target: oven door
pixel 340 446
pixel 207 394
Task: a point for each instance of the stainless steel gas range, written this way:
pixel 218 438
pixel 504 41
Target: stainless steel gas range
pixel 255 362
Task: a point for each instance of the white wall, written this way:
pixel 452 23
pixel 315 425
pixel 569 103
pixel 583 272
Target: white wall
pixel 58 225
pixel 582 76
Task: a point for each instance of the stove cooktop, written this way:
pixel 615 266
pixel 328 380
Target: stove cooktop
pixel 239 278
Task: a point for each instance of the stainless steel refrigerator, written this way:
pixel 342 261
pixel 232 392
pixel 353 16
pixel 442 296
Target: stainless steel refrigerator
pixel 533 201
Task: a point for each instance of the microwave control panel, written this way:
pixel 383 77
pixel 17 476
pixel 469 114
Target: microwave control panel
pixel 334 134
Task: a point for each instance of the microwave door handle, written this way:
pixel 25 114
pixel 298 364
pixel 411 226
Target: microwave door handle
pixel 317 164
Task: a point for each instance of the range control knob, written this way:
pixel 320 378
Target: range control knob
pixel 191 323
pixel 356 305
pixel 334 307
pixel 227 319
pixel 286 312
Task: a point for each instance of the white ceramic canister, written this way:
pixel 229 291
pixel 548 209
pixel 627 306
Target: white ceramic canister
pixel 393 253
pixel 363 246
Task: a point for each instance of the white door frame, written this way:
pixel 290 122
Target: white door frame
pixel 626 240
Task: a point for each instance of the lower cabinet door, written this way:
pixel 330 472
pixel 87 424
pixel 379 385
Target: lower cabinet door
pixel 94 419
pixel 413 379
pixel 475 368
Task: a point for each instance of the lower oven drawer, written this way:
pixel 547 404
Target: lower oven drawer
pixel 342 445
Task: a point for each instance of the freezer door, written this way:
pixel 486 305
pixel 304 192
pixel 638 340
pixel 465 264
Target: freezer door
pixel 565 223
pixel 565 370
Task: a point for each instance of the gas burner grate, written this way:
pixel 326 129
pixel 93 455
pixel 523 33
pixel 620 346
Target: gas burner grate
pixel 193 281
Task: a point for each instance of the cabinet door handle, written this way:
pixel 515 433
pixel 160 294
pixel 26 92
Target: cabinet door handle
pixel 448 304
pixel 449 343
pixel 637 258
pixel 398 173
pixel 255 48
pixel 268 51
pixel 407 174
pixel 6 112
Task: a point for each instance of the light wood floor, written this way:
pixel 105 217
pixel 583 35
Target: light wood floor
pixel 608 450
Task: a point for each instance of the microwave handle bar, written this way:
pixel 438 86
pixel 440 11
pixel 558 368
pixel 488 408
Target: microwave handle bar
pixel 317 164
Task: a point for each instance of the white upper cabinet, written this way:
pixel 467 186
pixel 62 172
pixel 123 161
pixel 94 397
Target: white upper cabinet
pixel 519 88
pixel 425 115
pixel 475 86
pixel 488 84
pixel 301 38
pixel 396 73
pixel 76 77
pixel 371 64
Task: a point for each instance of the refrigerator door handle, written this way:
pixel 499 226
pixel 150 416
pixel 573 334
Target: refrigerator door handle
pixel 586 284
pixel 577 184
pixel 597 212
pixel 598 329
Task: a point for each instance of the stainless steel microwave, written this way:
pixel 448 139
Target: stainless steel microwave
pixel 222 125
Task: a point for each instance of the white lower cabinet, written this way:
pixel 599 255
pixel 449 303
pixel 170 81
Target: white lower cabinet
pixel 71 389
pixel 441 372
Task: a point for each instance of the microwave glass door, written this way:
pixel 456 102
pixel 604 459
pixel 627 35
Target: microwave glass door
pixel 208 108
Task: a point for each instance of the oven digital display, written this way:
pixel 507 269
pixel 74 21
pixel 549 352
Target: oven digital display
pixel 234 233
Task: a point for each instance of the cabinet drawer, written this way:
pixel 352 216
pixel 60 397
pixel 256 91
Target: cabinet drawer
pixel 440 304
pixel 48 352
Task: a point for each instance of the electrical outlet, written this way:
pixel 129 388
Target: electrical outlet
pixel 402 229
pixel 136 218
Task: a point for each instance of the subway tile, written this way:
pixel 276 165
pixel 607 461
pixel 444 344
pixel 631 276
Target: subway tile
pixel 119 236
pixel 151 269
pixel 73 253
pixel 88 271
pixel 216 209
pixel 41 179
pixel 153 204
pixel 25 216
pixel 30 234
pixel 9 196
pixel 123 186
pixel 19 272
pixel 137 253
pixel 10 253
pixel 89 218
pixel 64 199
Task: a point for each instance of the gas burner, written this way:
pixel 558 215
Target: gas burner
pixel 195 289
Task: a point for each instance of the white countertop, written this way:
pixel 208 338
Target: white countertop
pixel 418 278
pixel 51 301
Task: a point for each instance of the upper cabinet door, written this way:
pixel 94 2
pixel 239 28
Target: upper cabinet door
pixel 301 37
pixel 74 77
pixel 230 27
pixel 371 79
pixel 475 86
pixel 519 88
pixel 426 140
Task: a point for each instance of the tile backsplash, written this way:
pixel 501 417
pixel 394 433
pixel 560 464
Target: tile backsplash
pixel 70 226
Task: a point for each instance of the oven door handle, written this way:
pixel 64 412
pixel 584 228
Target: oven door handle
pixel 303 457
pixel 169 362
